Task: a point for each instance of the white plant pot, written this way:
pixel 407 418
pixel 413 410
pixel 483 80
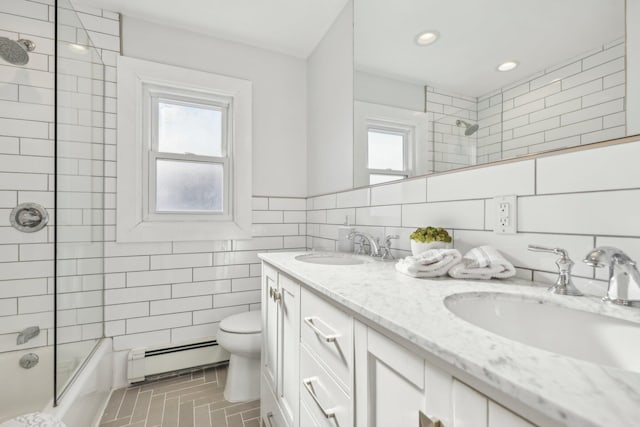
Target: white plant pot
pixel 419 247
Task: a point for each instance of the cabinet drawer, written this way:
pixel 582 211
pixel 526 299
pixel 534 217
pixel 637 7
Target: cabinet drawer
pixel 328 332
pixel 328 404
pixel 269 410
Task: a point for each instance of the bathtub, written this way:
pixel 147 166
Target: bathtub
pixel 31 390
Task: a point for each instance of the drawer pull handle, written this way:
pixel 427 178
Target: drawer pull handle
pixel 426 421
pixel 326 337
pixel 328 413
pixel 269 418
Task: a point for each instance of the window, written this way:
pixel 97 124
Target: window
pixel 184 154
pixel 387 154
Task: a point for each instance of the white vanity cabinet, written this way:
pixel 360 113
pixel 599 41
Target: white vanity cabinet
pixel 321 367
pixel 280 349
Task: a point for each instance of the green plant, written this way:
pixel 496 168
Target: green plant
pixel 431 234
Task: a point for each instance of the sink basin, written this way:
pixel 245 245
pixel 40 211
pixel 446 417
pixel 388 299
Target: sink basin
pixel 575 333
pixel 331 259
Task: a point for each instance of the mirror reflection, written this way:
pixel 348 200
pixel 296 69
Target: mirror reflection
pixel 443 85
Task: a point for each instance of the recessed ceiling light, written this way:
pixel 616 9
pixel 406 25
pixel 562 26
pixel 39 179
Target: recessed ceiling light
pixel 507 66
pixel 426 38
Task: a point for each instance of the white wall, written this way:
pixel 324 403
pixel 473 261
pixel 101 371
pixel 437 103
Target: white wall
pixel 279 95
pixel 385 91
pixel 330 108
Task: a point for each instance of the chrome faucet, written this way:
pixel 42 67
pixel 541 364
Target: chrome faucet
pixel 564 285
pixel 376 249
pixel 624 278
pixel 27 334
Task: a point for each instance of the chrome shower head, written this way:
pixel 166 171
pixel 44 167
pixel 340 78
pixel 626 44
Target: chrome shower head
pixel 469 128
pixel 16 52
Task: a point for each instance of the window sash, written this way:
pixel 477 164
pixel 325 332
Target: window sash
pixel 150 199
pixel 405 134
pixel 154 96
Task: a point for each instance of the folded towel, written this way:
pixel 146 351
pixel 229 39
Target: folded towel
pixel 484 262
pixel 430 263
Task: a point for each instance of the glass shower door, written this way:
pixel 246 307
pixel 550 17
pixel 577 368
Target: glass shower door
pixel 79 185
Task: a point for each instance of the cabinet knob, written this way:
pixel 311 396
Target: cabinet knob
pixel 277 296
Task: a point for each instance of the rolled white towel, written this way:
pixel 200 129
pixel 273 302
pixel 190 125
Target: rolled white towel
pixel 431 263
pixel 484 262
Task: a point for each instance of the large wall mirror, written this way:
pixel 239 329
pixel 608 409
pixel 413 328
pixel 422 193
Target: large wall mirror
pixel 441 85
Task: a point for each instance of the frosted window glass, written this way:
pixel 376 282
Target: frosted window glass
pixel 188 186
pixel 386 150
pixel 379 179
pixel 186 129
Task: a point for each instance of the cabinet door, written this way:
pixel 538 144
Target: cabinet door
pixel 389 382
pixel 270 326
pixel 288 389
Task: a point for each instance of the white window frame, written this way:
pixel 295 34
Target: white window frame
pixel 406 132
pixel 141 86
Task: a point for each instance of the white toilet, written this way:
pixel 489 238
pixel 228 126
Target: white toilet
pixel 241 336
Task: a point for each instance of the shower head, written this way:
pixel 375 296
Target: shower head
pixel 16 52
pixel 469 128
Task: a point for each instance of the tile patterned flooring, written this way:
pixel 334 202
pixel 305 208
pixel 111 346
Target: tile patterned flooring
pixel 192 399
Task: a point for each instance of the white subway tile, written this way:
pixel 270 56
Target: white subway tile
pixel 267 217
pixel 258 243
pixel 113 328
pixel 511 178
pixel 120 264
pixel 316 217
pixel 339 216
pixel 558 74
pixel 294 242
pixel 204 246
pixel 260 203
pixel 287 204
pixel 274 229
pixel 178 305
pixel 9 307
pixel 295 217
pixel 158 277
pixel 113 249
pixel 328 201
pixel 155 323
pixel 458 215
pixel 191 333
pixel 598 110
pixel 614 52
pixel 236 298
pixel 615 166
pixel 556 110
pixel 126 311
pixel 26 270
pixel 534 94
pixel 245 284
pixel 410 191
pixel 163 262
pixel 542 125
pixel 603 213
pixel 353 199
pixel 218 273
pixel 379 215
pixel 594 73
pixel 230 258
pixel 126 295
pixel 35 304
pixel 200 288
pixel 216 314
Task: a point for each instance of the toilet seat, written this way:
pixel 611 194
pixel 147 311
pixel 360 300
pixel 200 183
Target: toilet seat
pixel 242 323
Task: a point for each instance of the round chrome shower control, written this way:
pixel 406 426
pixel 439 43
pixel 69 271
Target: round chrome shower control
pixel 29 217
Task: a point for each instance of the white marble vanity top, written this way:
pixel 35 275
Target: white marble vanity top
pixel 571 391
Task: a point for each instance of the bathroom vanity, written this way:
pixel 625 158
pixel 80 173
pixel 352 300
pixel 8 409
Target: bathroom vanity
pixel 362 345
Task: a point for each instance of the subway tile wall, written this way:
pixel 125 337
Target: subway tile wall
pixel 575 201
pixel 578 102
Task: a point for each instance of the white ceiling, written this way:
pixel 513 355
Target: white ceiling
pixel 293 27
pixel 477 36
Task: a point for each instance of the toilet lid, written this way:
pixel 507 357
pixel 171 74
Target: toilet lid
pixel 242 323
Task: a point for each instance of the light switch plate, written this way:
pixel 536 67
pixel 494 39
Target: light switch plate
pixel 506 214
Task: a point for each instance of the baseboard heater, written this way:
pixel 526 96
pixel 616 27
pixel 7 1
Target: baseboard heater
pixel 144 362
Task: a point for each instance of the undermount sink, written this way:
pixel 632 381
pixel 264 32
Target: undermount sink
pixel 331 259
pixel 575 333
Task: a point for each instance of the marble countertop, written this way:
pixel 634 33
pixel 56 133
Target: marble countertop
pixel 572 391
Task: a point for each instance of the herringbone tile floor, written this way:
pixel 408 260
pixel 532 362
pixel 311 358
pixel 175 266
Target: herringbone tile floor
pixel 189 400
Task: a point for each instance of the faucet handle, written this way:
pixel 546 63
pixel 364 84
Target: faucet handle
pixel 564 285
pixel 558 251
pixel 388 238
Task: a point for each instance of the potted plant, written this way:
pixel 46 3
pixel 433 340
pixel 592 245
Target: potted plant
pixel 427 238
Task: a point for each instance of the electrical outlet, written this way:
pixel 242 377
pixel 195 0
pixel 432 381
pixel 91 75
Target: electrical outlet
pixel 506 214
